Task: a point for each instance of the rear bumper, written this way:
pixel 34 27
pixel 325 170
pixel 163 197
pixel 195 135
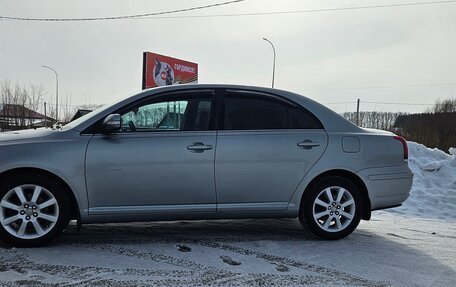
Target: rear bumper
pixel 387 186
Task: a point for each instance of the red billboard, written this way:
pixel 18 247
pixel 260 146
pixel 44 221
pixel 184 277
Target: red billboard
pixel 159 70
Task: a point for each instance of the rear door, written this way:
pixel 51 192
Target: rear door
pixel 265 146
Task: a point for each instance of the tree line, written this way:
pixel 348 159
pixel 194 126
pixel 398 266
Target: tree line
pixel 374 120
pixel 14 96
pixel 434 128
pixel 19 102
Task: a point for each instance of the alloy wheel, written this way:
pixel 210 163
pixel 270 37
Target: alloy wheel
pixel 28 211
pixel 334 209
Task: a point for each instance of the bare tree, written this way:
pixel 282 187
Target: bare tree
pixel 443 106
pixel 17 102
pixel 36 94
pixel 90 107
pixel 50 109
pixel 67 110
pixel 435 128
pixel 376 120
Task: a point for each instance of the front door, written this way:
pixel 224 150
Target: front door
pixel 161 160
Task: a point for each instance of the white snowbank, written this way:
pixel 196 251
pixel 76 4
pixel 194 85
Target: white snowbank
pixel 434 185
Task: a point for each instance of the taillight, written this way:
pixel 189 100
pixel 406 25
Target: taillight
pixel 404 145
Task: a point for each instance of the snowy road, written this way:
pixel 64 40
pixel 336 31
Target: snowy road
pixel 389 250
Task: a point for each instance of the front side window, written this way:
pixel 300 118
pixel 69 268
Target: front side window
pixel 246 112
pixel 190 114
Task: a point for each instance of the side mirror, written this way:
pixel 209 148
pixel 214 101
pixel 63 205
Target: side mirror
pixel 111 123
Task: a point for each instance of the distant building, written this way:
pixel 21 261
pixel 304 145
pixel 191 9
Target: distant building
pixel 17 117
pixel 79 113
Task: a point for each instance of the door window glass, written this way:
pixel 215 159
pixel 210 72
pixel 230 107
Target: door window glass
pixel 175 115
pixel 244 112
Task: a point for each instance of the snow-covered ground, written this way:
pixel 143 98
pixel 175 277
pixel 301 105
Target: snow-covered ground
pixel 411 246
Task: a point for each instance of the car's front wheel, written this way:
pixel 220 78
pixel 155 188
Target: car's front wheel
pixel 34 210
pixel 331 208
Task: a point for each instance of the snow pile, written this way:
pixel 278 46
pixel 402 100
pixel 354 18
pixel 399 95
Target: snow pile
pixel 434 185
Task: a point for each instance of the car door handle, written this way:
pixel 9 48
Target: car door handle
pixel 308 144
pixel 199 147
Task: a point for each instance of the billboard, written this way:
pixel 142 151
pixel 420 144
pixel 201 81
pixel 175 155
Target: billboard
pixel 159 70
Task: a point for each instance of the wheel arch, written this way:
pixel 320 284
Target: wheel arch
pixel 75 214
pixel 350 176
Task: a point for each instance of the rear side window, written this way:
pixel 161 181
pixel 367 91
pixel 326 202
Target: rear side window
pixel 300 119
pixel 247 112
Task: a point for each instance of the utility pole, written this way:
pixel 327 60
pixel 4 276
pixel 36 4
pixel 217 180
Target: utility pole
pixel 45 116
pixel 357 113
pixel 56 94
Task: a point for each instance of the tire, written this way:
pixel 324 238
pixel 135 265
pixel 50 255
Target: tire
pixel 335 218
pixel 34 210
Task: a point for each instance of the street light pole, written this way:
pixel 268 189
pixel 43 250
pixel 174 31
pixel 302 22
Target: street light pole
pixel 273 62
pixel 56 93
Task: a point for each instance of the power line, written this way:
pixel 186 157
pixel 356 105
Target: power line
pixel 377 105
pixel 154 15
pixel 388 103
pixel 303 11
pixel 380 103
pixel 74 105
pixel 136 16
pixel 339 103
pixel 382 87
pixel 333 103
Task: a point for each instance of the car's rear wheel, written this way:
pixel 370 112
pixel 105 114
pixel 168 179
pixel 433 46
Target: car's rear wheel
pixel 331 208
pixel 34 210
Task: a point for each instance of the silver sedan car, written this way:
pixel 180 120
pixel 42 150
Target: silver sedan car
pixel 200 152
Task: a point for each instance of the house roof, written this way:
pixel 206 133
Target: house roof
pixel 18 111
pixel 79 113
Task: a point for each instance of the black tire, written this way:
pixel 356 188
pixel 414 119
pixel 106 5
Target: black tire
pixel 57 191
pixel 306 213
